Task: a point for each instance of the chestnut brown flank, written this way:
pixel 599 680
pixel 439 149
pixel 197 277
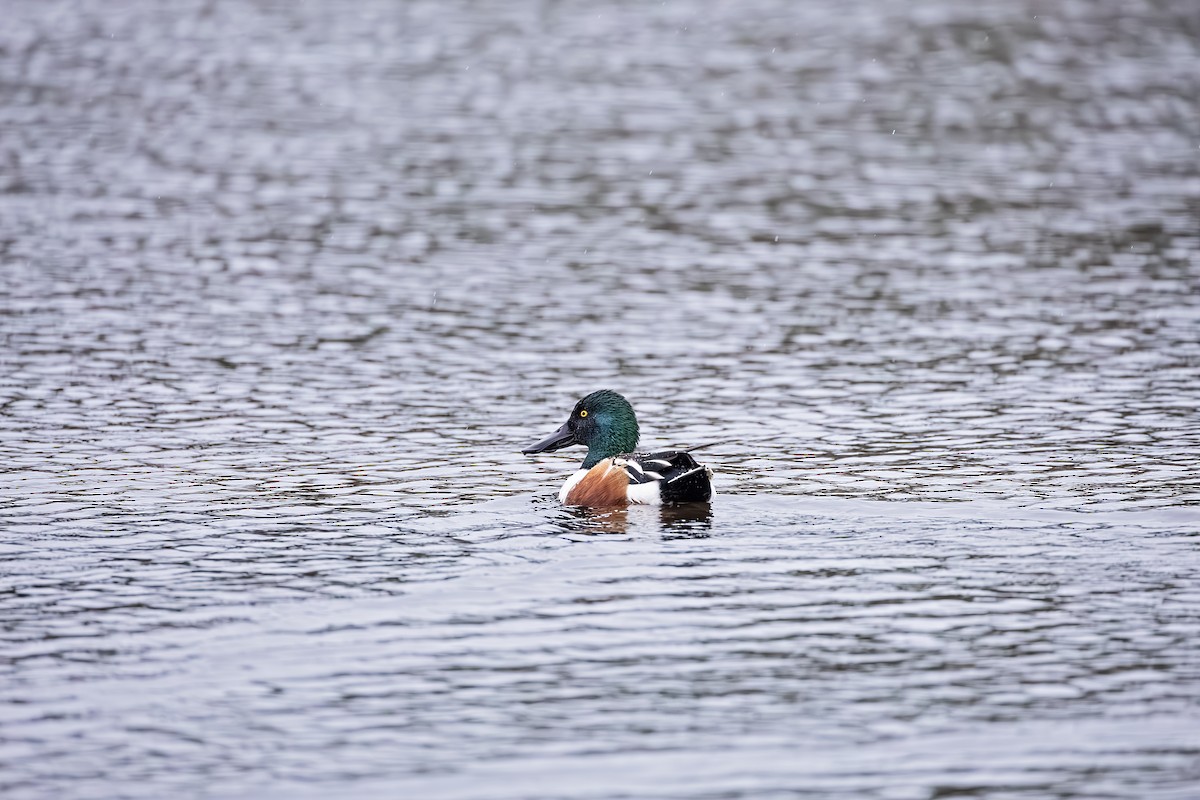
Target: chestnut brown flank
pixel 604 485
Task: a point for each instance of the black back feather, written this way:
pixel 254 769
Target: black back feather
pixel 683 479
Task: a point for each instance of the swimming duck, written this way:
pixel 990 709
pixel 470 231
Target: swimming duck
pixel 612 474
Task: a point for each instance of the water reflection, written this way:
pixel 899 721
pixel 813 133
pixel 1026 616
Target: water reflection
pixel 686 520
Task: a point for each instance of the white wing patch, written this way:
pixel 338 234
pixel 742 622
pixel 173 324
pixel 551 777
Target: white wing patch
pixel 644 494
pixel 637 471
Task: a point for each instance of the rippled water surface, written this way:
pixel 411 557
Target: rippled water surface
pixel 285 288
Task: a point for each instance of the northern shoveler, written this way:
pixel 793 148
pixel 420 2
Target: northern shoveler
pixel 612 474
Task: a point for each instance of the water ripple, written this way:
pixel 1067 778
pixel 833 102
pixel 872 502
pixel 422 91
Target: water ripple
pixel 285 289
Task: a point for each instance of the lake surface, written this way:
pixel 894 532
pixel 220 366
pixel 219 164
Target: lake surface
pixel 285 288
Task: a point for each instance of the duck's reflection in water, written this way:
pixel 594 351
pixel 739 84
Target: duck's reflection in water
pixel 687 520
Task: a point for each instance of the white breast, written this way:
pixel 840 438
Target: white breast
pixel 571 483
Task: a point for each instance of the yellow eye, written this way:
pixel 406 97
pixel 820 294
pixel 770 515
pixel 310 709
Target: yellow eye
pixel 583 413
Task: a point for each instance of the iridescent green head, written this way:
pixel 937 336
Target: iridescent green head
pixel 604 421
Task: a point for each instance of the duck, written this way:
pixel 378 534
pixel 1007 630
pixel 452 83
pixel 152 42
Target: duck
pixel 613 473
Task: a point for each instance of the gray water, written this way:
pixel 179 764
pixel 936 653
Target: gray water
pixel 285 288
